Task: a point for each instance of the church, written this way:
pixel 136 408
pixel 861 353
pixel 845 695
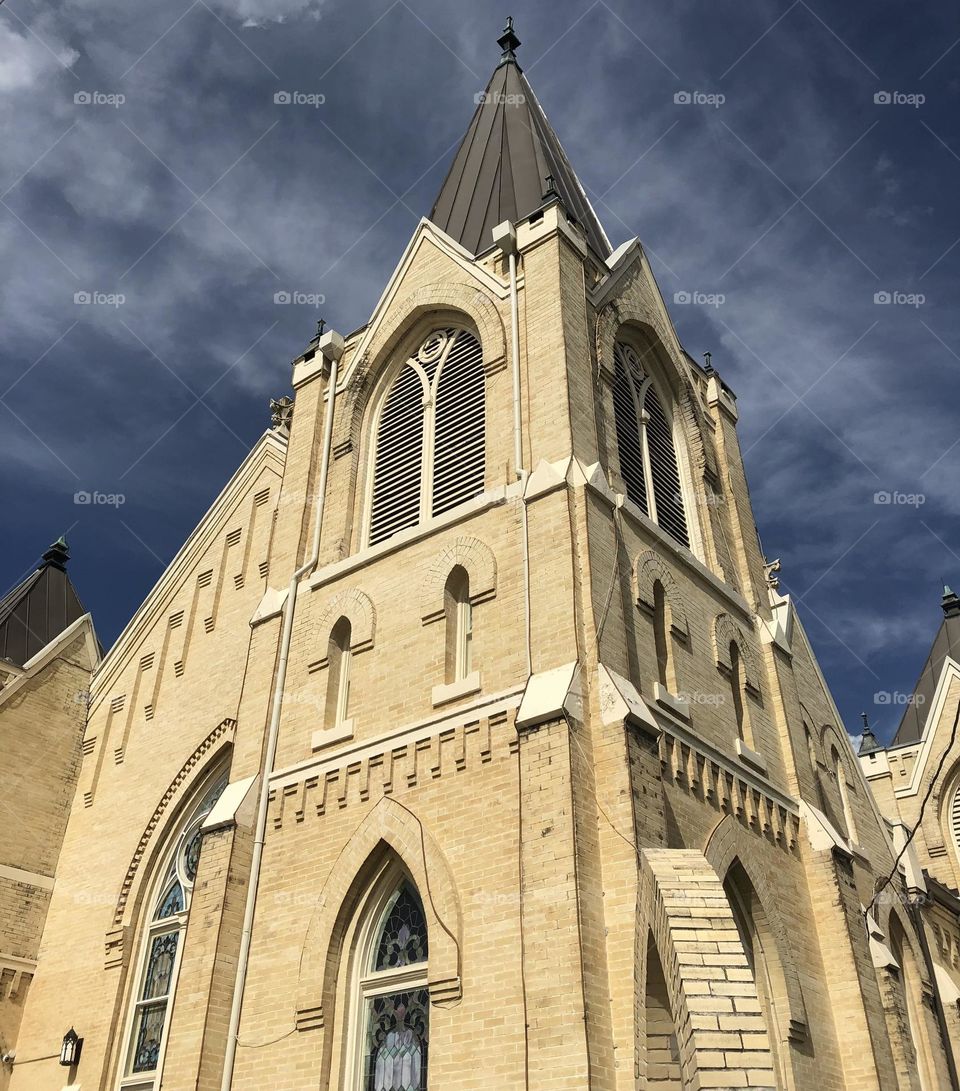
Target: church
pixel 468 741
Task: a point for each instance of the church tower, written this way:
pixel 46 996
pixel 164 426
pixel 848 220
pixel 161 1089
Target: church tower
pixel 468 741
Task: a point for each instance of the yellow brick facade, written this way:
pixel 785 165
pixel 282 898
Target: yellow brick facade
pixel 617 894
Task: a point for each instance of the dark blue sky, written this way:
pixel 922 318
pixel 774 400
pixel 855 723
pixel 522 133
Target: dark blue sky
pixel 791 203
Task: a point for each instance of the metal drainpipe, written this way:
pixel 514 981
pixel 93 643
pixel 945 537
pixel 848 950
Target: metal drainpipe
pixel 330 348
pixel 505 236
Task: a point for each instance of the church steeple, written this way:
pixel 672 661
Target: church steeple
pixel 508 160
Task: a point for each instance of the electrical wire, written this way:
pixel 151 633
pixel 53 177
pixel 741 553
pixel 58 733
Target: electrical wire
pixel 933 783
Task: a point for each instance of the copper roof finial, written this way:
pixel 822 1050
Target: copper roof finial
pixel 949 602
pixel 508 42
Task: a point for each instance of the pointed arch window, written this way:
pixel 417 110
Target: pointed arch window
pixel 392 998
pixel 430 437
pixel 162 949
pixel 955 821
pixel 646 447
pixel 842 787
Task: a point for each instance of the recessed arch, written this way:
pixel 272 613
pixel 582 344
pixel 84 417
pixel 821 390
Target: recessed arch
pixel 648 569
pixel 390 828
pixel 478 561
pixel 725 631
pixel 358 609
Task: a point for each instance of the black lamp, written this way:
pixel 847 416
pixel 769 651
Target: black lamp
pixel 70 1049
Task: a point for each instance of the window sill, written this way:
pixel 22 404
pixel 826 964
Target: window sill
pixel 677 705
pixel 332 734
pixel 751 757
pixel 453 691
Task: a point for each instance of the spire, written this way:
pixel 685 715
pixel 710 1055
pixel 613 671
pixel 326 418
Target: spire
pixel 39 608
pixel 510 164
pixel 508 42
pixel 58 554
pixel 868 741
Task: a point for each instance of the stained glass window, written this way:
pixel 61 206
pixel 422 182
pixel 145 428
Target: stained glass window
pixel 403 939
pixel 396 1050
pixel 171 903
pixel 166 919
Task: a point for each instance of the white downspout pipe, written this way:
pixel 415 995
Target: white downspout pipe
pixel 505 236
pixel 330 348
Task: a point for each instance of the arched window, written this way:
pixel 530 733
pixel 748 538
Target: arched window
pixel 954 820
pixel 661 633
pixel 161 950
pixel 737 688
pixel 459 620
pixel 648 456
pixel 392 1001
pixel 430 441
pixel 841 779
pixel 338 674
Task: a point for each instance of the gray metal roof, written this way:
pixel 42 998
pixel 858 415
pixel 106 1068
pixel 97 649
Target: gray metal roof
pixel 946 642
pixel 502 168
pixel 39 608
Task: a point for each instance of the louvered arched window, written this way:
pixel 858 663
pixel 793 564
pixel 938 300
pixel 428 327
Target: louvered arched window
pixel 648 456
pixel 955 820
pixel 430 443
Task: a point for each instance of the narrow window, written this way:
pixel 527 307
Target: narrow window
pixel 430 440
pixel 162 950
pixel 393 999
pixel 338 683
pixel 645 445
pixel 841 778
pixel 459 618
pixel 661 631
pixel 737 693
pixel 955 821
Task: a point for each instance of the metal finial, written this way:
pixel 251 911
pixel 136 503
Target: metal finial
pixel 58 553
pixel 868 742
pixel 949 602
pixel 866 721
pixel 508 42
pixel 321 323
pixel 550 188
pixel 707 365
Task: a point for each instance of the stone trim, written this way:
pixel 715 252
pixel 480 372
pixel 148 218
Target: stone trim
pixel 171 800
pixel 390 828
pixel 472 554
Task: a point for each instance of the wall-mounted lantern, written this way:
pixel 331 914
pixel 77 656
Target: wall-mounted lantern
pixel 70 1049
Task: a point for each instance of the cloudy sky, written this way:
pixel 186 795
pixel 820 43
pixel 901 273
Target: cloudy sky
pixel 786 164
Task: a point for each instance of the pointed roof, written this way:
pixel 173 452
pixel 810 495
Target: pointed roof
pixel 39 608
pixel 509 164
pixel 945 643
